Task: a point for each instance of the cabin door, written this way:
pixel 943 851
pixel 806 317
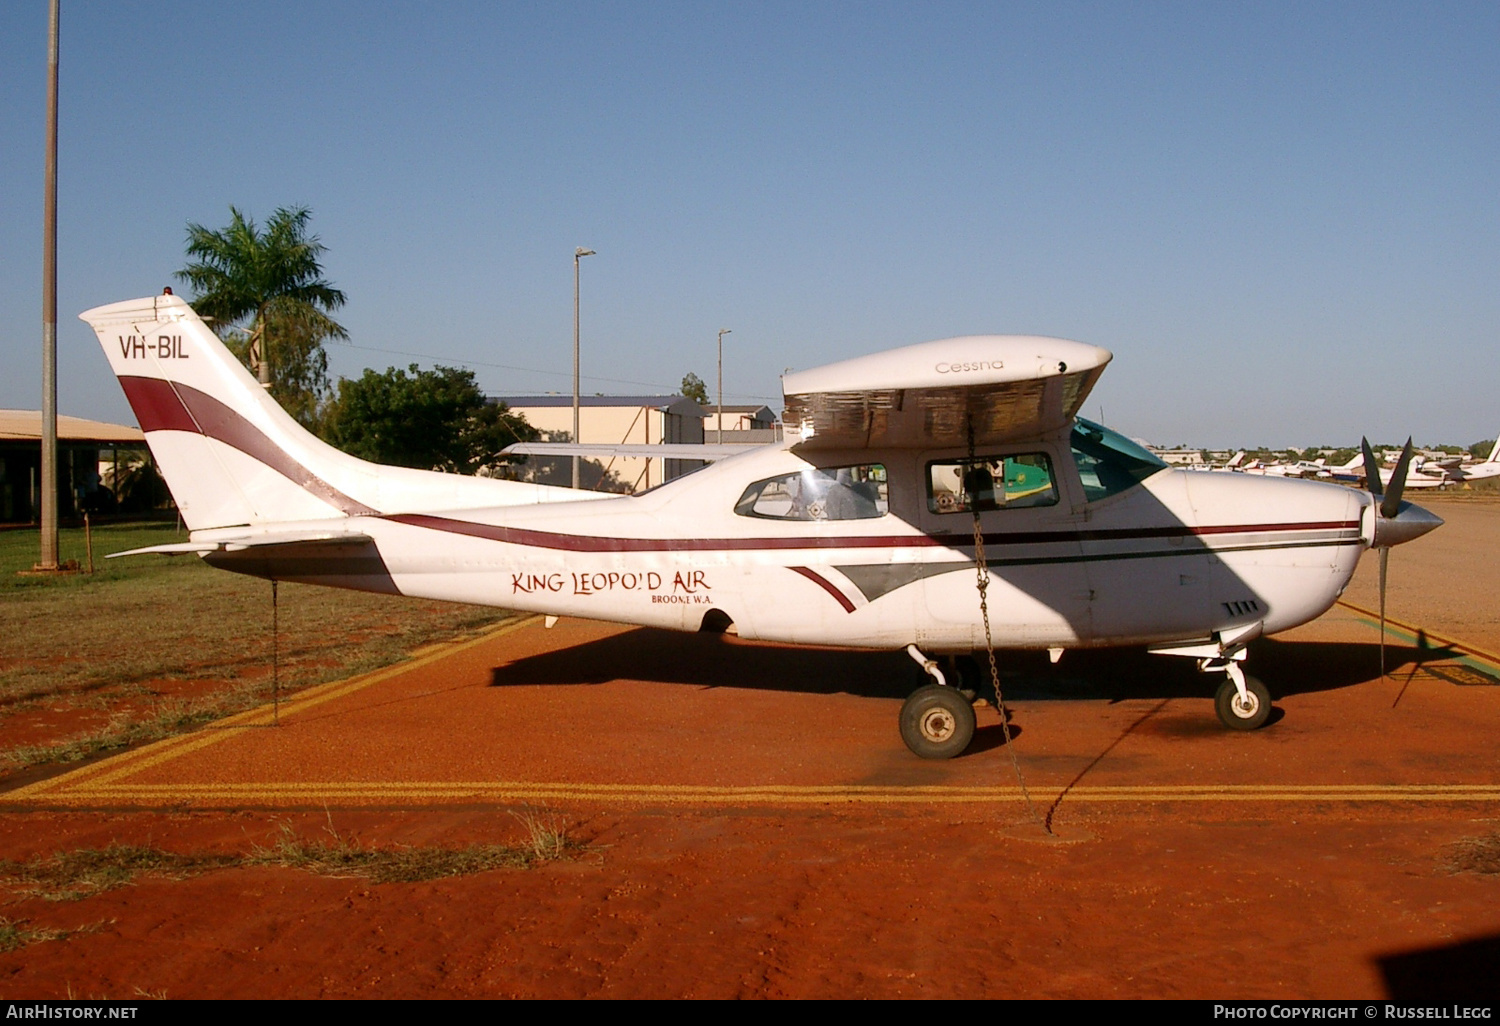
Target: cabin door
pixel 1038 592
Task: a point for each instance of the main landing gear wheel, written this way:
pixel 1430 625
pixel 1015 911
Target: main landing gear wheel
pixel 937 722
pixel 1243 715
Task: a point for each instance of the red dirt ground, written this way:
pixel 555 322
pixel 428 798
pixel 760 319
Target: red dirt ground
pixel 756 829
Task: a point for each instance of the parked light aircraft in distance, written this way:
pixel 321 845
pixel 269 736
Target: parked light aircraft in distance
pixel 1421 475
pixel 1456 469
pixel 1487 468
pixel 858 530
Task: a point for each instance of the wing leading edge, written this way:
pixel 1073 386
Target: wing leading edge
pixel 1009 387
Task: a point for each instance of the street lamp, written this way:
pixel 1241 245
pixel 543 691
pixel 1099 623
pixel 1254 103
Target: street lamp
pixel 578 254
pixel 722 333
pixel 49 314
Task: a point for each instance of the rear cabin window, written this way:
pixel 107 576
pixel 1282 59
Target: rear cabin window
pixel 843 493
pixel 991 482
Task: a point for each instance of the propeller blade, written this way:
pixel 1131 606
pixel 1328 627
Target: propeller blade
pixel 1372 469
pixel 1385 555
pixel 1391 504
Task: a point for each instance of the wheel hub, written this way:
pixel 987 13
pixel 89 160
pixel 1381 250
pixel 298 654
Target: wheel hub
pixel 938 725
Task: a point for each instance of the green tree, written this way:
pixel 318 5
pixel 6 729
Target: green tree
pixel 694 388
pixel 431 420
pixel 264 293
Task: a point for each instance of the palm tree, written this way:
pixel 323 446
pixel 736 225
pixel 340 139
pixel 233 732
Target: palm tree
pixel 273 278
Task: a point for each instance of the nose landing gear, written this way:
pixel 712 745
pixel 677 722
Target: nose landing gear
pixel 1244 709
pixel 1242 701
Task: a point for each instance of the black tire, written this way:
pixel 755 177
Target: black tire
pixel 937 722
pixel 1243 717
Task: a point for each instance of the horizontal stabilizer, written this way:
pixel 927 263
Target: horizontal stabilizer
pixel 176 549
pixel 320 538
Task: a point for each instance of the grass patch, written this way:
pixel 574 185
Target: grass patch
pixel 338 858
pixel 547 841
pixel 21 548
pixel 126 636
pixel 69 876
pixel 1474 855
pixel 164 719
pixel 546 835
pixel 14 933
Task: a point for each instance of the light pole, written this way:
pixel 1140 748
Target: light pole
pixel 49 313
pixel 722 333
pixel 578 254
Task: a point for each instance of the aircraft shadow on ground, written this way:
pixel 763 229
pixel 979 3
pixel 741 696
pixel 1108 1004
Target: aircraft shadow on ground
pixel 1462 971
pixel 713 661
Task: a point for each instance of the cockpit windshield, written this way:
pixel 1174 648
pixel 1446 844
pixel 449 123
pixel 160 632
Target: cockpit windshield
pixel 1108 462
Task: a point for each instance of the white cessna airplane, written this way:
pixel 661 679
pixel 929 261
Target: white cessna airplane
pixel 1424 474
pixel 859 530
pixel 1482 470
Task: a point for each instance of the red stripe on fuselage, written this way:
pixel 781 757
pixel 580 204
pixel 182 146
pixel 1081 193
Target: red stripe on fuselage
pixel 593 543
pixel 826 585
pixel 162 405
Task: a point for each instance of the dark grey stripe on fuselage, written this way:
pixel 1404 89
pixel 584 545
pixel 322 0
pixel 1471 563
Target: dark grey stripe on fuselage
pixel 877 579
pixel 359 567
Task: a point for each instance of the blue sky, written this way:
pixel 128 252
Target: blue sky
pixel 1282 218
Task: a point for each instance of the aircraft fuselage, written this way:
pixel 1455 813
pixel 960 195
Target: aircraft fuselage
pixel 1174 557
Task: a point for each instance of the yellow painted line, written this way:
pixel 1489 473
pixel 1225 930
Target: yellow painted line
pixel 1432 636
pixel 764 794
pixel 731 790
pixel 114 769
pixel 170 748
pixel 104 783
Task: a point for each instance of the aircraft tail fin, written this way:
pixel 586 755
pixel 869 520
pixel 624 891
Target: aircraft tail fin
pixel 229 453
pixel 232 456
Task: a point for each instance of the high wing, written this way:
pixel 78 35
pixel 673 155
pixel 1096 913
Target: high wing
pixel 603 450
pixel 1007 387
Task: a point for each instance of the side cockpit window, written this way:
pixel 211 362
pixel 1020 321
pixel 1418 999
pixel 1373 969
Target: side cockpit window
pixel 1108 462
pixel 990 482
pixel 844 493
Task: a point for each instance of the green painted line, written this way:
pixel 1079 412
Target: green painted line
pixel 1452 652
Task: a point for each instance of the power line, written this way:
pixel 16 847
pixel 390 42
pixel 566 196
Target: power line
pixel 533 370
